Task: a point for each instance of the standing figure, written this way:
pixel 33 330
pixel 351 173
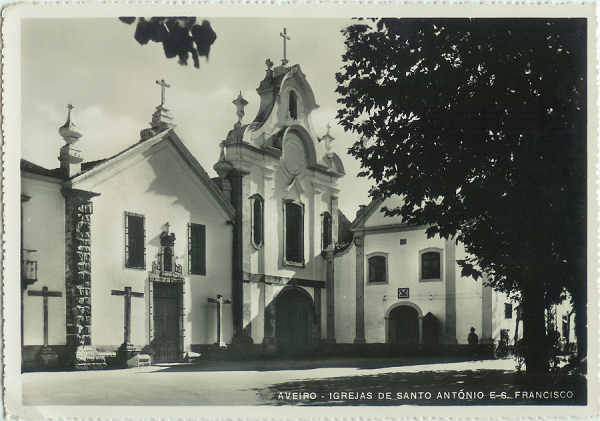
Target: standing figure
pixel 473 338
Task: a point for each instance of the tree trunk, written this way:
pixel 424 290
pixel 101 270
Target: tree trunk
pixel 534 329
pixel 580 304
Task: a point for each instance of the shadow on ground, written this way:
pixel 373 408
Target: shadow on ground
pixel 305 364
pixel 469 387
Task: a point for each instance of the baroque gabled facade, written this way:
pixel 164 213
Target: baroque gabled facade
pixel 282 180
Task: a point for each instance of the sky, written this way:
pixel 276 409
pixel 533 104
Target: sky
pixel 96 65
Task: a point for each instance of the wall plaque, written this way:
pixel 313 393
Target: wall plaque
pixel 403 293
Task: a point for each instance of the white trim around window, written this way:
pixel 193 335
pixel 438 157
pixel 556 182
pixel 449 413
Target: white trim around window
pixel 429 252
pixel 386 271
pixel 300 237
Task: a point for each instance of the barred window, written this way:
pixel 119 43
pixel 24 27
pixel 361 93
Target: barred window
pixel 135 241
pixel 294 232
pixel 197 249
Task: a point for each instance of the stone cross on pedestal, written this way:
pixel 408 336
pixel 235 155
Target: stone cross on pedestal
pixel 219 301
pixel 162 85
pixel 127 294
pixel 45 294
pixel 285 37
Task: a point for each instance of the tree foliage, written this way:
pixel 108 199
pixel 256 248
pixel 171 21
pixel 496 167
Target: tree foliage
pixel 180 37
pixel 480 125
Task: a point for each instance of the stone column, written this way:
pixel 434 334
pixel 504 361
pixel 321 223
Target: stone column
pixel 359 243
pixel 78 278
pixel 450 269
pixel 420 330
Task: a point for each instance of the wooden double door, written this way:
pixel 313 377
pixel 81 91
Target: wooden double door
pixel 294 322
pixel 167 305
pixel 403 326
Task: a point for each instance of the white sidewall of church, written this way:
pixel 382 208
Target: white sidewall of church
pixel 44 231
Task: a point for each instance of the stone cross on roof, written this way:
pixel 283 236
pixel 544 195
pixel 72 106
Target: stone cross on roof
pixel 285 37
pixel 162 85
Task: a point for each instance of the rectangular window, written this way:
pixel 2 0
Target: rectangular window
pixel 431 265
pixel 377 269
pixel 197 249
pixel 135 241
pixel 508 310
pixel 294 233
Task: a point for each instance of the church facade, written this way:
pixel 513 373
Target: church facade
pixel 144 252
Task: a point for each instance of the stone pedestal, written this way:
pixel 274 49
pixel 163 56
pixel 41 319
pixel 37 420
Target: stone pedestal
pixel 269 345
pixel 87 357
pixel 48 358
pixel 126 352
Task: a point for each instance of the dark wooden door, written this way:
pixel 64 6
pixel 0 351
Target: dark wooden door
pixel 167 302
pixel 404 326
pixel 294 322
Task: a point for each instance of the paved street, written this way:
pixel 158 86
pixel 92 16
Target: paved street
pixel 264 382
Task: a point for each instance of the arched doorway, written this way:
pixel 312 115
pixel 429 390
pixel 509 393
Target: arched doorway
pixel 403 325
pixel 294 321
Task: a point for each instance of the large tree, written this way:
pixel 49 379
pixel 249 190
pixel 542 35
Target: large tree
pixel 480 125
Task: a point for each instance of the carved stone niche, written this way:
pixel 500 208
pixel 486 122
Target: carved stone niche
pixel 166 262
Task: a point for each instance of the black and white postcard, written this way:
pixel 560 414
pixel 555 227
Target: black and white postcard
pixel 286 211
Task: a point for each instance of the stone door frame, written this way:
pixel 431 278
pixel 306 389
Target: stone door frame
pixel 419 319
pixel 178 282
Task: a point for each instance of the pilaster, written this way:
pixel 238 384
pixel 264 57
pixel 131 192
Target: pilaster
pixel 486 313
pixel 78 278
pixel 237 286
pixel 359 243
pixel 329 255
pixel 450 268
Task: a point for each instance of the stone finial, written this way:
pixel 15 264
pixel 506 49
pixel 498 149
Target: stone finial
pixel 68 131
pixel 70 157
pixel 239 103
pixel 269 64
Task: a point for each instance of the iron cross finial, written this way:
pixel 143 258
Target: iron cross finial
pixel 162 85
pixel 285 37
pixel 239 103
pixel 69 108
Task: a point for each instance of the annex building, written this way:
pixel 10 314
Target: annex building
pixel 144 252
